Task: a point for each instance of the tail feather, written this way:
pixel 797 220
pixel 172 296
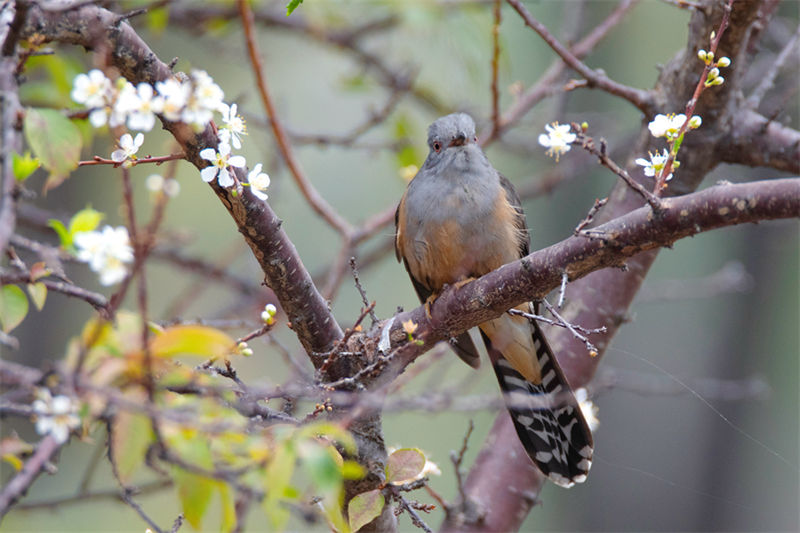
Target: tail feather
pixel 547 417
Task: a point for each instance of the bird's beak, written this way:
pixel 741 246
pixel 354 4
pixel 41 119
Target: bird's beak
pixel 459 140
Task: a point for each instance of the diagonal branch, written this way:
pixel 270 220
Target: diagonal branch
pixel 607 245
pixel 638 97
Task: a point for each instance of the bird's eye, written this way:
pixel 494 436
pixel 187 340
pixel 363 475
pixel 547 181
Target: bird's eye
pixel 437 146
pixel 475 139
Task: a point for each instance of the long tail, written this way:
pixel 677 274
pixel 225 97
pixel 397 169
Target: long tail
pixel 547 417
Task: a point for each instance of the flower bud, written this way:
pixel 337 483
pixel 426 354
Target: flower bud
pixel 695 122
pixel 724 61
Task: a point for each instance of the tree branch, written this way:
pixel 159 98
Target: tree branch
pixel 95 28
pixel 607 245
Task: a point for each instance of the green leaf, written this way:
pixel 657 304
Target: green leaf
pixel 24 165
pixel 200 341
pixel 38 293
pixel 55 140
pixel 86 219
pixel 195 491
pixel 678 143
pixel 404 465
pixel 353 470
pixel 333 513
pixel 228 507
pixel 131 435
pixel 62 231
pixel 277 478
pixel 13 307
pixel 331 431
pixel 364 508
pixel 292 5
pixel 321 466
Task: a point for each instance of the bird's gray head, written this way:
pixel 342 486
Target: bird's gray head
pixel 457 129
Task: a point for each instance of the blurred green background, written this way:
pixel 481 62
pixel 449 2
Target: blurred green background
pixel 664 462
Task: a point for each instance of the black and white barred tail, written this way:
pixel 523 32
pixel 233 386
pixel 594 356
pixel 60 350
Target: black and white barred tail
pixel 547 417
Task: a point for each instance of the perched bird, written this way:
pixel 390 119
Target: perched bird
pixel 460 219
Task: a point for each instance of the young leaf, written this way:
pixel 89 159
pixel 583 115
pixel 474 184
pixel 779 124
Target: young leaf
pixel 13 307
pixel 55 141
pixel 86 219
pixel 205 342
pixel 195 491
pixel 38 293
pixel 364 508
pixel 131 435
pixel 61 230
pixel 23 165
pixel 404 465
pixel 322 468
pixel 277 479
pixel 228 502
pixel 292 5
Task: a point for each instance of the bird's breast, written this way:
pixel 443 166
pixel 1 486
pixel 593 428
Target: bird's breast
pixel 455 230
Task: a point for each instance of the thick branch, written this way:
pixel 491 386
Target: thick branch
pixel 759 142
pixel 98 29
pixel 608 245
pixel 10 124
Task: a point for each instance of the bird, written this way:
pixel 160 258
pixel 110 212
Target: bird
pixel 459 219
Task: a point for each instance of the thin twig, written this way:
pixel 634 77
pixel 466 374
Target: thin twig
pixel 768 80
pixel 458 460
pixel 598 204
pixel 362 292
pixel 661 179
pixel 495 65
pixel 158 160
pixel 587 143
pixel 312 196
pixel 591 348
pixel 638 97
pixel 558 322
pixel 563 289
pixel 21 482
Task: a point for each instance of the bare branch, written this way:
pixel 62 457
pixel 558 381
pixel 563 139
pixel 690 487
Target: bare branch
pixel 639 98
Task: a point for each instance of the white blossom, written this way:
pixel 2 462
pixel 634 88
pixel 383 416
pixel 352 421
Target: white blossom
pixel 205 98
pixel 55 416
pixel 140 105
pixel 654 165
pixel 206 91
pixel 220 159
pixel 175 95
pixel 156 183
pixel 233 126
pixel 128 146
pixel 666 125
pixel 259 181
pixel 92 89
pixel 106 252
pixel 172 188
pixel 557 140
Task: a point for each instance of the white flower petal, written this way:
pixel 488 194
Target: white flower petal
pixel 209 173
pixel 225 179
pixel 237 161
pixel 209 154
